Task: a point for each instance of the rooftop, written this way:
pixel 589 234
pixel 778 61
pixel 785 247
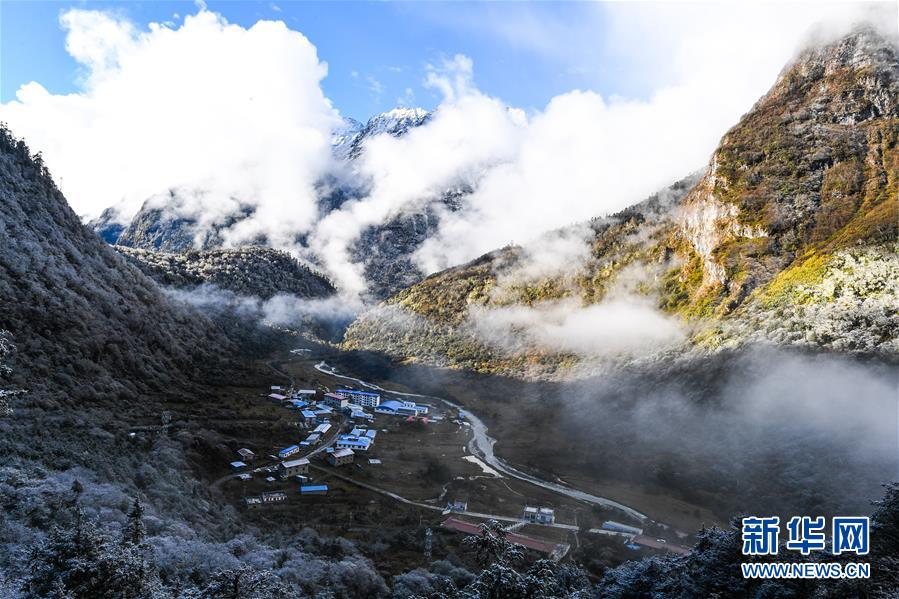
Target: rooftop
pixel 341 453
pixel 294 463
pixel 547 547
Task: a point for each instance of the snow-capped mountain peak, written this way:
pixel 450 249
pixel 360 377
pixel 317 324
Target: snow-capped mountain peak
pixel 347 140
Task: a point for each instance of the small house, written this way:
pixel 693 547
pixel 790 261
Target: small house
pixel 277 397
pixel 353 442
pixel 293 467
pixel 312 440
pixel 314 490
pixel 238 465
pixel 288 451
pixel 274 497
pixel 246 455
pixel 539 515
pixel 252 502
pixel 341 457
pixel 323 428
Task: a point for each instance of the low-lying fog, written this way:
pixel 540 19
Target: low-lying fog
pixel 759 431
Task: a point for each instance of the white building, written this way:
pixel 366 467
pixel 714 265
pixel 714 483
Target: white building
pixel 539 515
pixel 366 399
pixel 335 400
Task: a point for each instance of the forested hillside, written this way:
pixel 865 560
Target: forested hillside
pixel 250 271
pixel 102 379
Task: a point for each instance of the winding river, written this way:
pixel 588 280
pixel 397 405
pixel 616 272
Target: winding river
pixel 481 445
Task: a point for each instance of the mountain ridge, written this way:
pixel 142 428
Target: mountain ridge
pixel 802 188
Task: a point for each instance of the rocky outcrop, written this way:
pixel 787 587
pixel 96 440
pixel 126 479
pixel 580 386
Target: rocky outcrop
pixel 813 157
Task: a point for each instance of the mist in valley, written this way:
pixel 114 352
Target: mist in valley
pixel 758 430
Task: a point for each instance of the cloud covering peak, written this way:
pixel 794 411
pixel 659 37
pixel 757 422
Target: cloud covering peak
pixel 234 118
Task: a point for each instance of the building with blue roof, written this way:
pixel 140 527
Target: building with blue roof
pixel 313 489
pixel 401 408
pixel 312 439
pixel 353 442
pixel 288 451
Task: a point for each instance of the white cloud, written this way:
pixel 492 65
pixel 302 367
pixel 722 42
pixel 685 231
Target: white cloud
pixel 609 329
pixel 461 141
pixel 375 87
pixel 228 114
pixel 235 112
pixel 587 155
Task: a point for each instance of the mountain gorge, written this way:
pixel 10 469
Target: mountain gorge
pixel 788 237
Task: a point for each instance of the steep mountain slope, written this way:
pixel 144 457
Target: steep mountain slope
pixel 252 271
pixel 76 310
pixel 789 236
pixel 108 395
pixel 386 250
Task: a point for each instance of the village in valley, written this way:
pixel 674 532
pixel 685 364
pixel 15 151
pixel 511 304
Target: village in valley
pixel 364 451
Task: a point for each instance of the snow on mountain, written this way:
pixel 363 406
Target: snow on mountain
pixel 347 141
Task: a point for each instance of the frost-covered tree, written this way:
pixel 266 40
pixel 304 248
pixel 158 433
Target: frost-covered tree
pixel 6 350
pixel 134 530
pixel 247 583
pixel 79 561
pixel 491 545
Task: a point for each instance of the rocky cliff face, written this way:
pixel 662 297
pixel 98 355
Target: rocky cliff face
pixel 811 167
pixel 788 237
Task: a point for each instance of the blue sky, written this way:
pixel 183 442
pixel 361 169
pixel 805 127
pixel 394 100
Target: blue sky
pixel 523 53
